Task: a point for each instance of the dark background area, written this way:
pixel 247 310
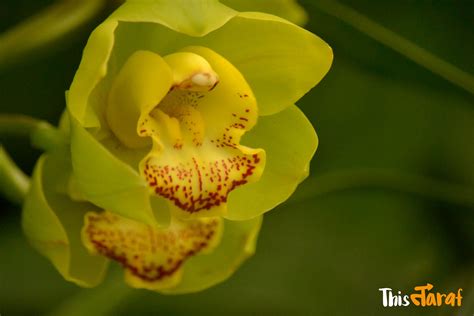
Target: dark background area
pixel 393 138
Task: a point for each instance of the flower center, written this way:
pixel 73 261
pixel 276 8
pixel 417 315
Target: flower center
pixel 178 119
pixel 195 125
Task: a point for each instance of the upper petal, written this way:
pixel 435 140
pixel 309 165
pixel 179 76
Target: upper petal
pixel 280 60
pixel 190 17
pixel 287 9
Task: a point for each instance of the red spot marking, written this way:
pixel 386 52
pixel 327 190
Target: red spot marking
pixel 212 88
pixel 196 167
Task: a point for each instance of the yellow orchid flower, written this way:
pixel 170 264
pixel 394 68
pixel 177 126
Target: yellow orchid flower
pixel 182 132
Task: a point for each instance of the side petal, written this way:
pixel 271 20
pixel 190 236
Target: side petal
pixel 237 244
pixel 290 142
pixel 92 70
pixel 52 222
pixel 106 181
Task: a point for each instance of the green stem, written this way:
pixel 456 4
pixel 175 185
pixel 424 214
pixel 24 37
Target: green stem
pixel 13 182
pixel 18 125
pixel 42 134
pixel 396 42
pixel 393 180
pixel 50 26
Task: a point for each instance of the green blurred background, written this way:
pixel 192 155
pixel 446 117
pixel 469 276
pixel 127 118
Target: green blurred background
pixel 389 202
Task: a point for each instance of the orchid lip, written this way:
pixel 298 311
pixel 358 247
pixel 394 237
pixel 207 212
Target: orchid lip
pixel 196 159
pixel 194 106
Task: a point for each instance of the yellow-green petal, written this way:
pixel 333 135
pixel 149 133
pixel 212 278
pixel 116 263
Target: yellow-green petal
pixel 93 68
pixel 107 181
pixel 287 9
pixel 190 17
pixel 290 142
pixel 238 243
pixel 279 60
pixel 52 222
